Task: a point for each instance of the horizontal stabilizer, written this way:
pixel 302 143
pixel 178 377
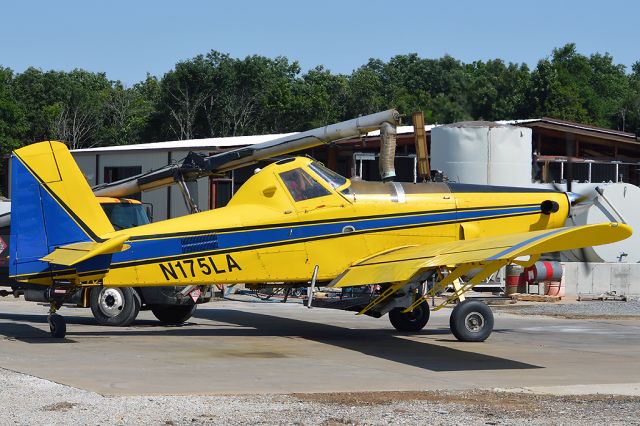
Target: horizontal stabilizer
pixel 405 262
pixel 73 254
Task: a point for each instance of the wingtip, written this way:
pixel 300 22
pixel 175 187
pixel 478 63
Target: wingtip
pixel 622 228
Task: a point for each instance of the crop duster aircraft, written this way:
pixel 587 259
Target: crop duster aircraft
pixel 293 221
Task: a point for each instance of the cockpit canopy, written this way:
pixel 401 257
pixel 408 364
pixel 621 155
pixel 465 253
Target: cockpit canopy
pixel 302 186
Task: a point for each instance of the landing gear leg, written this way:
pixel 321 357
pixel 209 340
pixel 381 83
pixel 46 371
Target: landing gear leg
pixel 57 324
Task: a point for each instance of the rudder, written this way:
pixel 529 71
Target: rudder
pixel 52 206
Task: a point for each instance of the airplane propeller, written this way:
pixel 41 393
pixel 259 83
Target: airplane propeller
pixel 576 200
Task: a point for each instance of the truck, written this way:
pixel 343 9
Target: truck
pixel 111 306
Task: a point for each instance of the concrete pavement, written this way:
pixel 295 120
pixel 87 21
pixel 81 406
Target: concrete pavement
pixel 246 347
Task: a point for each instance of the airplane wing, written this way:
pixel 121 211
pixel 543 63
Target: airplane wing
pixel 491 253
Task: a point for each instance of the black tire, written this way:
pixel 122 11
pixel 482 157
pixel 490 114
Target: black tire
pixel 114 306
pixel 411 321
pixel 471 321
pixel 57 326
pixel 173 314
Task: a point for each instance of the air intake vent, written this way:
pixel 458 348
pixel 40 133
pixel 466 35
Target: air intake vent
pixel 199 243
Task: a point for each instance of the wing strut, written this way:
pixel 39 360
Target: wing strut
pixel 454 275
pixel 384 295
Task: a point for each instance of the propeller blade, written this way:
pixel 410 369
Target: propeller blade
pixel 584 264
pixel 575 198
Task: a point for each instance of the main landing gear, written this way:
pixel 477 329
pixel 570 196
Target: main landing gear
pixel 412 321
pixel 470 321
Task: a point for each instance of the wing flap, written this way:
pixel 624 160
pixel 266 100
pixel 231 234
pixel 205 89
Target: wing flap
pixel 73 254
pixel 404 263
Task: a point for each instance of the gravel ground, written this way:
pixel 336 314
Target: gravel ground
pixel 29 400
pixel 578 310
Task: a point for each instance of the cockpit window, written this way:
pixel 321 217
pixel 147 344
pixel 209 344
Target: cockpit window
pixel 334 179
pixel 302 186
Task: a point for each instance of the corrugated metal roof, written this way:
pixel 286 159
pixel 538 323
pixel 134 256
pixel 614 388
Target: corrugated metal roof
pixel 586 127
pixel 189 144
pixel 211 143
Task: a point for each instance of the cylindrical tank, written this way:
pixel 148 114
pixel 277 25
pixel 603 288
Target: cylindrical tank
pixel 514 282
pixel 554 288
pixel 547 271
pixel 483 152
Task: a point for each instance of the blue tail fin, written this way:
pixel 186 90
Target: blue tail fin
pixel 52 206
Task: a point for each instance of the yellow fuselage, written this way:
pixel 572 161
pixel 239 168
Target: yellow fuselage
pixel 264 235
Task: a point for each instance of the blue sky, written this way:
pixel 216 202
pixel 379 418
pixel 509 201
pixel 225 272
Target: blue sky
pixel 127 39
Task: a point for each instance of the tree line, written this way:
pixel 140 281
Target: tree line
pixel 216 95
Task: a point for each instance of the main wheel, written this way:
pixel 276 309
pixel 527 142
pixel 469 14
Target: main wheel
pixel 57 326
pixel 471 321
pixel 115 306
pixel 173 314
pixel 411 321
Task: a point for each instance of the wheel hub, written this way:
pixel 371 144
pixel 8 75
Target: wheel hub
pixel 111 302
pixel 414 315
pixel 474 322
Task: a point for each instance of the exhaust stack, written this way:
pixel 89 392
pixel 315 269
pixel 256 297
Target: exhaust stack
pixel 387 152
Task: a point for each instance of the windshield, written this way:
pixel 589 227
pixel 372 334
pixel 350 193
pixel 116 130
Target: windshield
pixel 302 186
pixel 124 215
pixel 334 179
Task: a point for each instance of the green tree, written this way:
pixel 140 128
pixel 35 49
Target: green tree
pixel 128 112
pixel 13 123
pixel 497 91
pixel 366 93
pixel 319 98
pixel 183 92
pixel 574 87
pixel 630 111
pixel 66 106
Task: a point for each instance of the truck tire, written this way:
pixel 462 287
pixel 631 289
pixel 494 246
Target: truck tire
pixel 173 314
pixel 114 306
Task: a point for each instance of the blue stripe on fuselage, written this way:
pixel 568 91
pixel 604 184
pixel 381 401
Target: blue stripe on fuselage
pixel 150 249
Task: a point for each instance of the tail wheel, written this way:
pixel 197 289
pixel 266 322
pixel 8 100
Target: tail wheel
pixel 471 321
pixel 114 306
pixel 173 314
pixel 57 326
pixel 411 321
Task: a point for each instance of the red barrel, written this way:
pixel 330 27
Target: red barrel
pixel 514 279
pixel 554 288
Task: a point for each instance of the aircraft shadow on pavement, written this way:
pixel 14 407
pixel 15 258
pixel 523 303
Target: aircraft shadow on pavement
pixel 380 343
pixel 21 329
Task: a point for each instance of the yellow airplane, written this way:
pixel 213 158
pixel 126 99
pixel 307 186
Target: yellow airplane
pixel 293 221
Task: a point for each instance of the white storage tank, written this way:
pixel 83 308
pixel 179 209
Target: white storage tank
pixel 483 152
